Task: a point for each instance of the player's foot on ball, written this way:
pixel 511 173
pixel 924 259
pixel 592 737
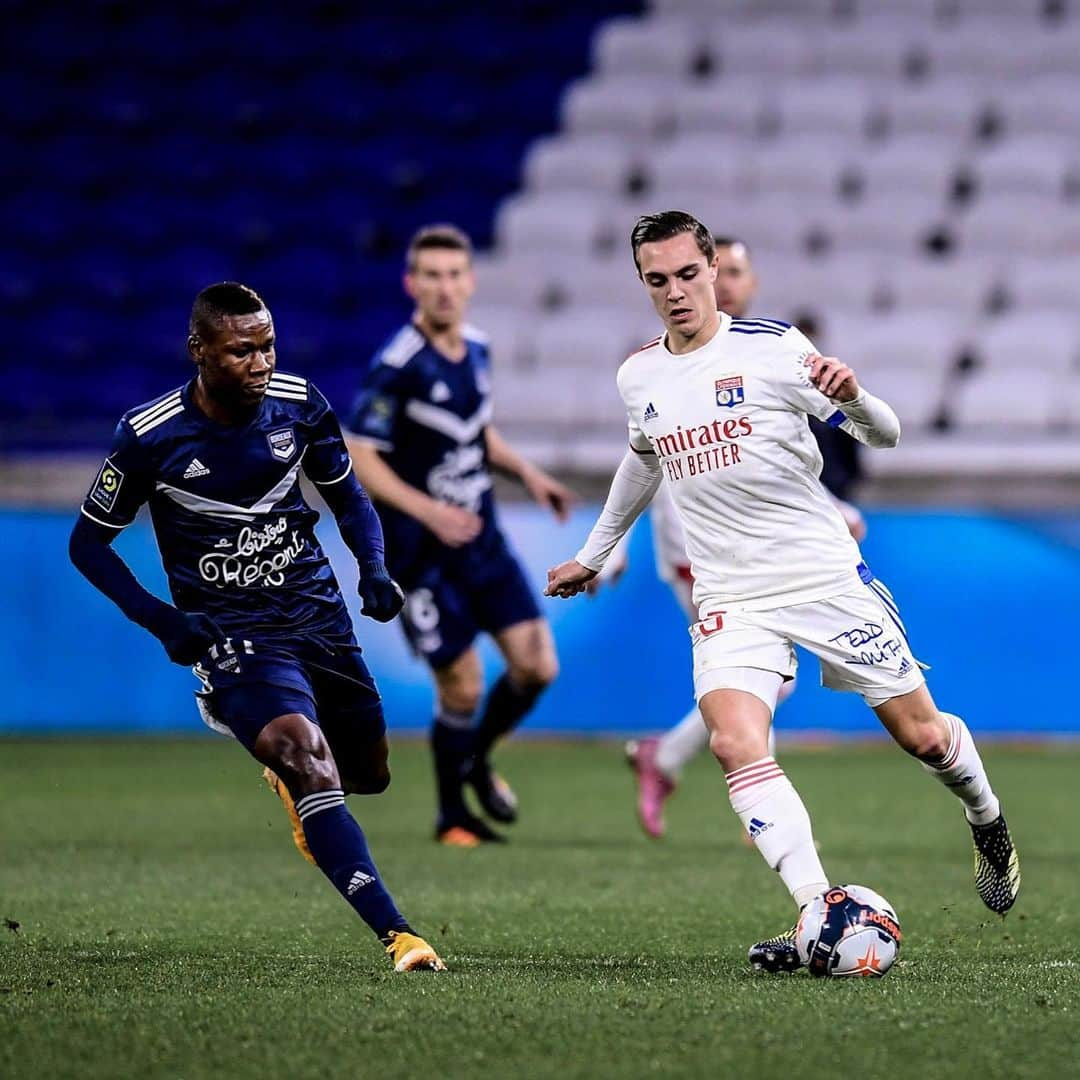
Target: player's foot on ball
pixel 776 954
pixel 495 795
pixel 409 952
pixel 466 832
pixel 282 792
pixel 653 787
pixel 997 866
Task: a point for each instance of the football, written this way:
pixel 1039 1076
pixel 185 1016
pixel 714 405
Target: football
pixel 848 930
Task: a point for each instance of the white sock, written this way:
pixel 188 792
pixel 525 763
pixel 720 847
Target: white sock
pixel 961 771
pixel 678 745
pixel 776 819
pixel 681 743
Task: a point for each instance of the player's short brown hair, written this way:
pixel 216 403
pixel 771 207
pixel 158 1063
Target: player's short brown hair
pixel 650 228
pixel 444 236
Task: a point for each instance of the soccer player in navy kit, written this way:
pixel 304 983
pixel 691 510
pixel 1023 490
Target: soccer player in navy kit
pixel 257 607
pixel 423 445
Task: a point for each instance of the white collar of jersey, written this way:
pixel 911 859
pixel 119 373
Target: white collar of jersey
pixel 725 324
pixel 449 423
pixel 213 508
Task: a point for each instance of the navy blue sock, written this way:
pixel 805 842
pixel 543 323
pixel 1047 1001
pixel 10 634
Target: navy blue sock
pixel 451 746
pixel 341 853
pixel 505 708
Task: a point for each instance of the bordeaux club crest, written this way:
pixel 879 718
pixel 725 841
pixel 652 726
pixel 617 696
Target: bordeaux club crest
pixel 282 444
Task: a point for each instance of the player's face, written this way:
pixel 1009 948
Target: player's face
pixel 235 365
pixel 441 283
pixel 680 282
pixel 735 281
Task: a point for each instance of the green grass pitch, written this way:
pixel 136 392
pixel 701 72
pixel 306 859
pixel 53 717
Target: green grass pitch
pixel 167 928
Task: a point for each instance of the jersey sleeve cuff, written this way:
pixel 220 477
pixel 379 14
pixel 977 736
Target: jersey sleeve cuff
pixel 98 521
pixel 336 480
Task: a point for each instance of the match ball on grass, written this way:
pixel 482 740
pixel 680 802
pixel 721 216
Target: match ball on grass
pixel 848 930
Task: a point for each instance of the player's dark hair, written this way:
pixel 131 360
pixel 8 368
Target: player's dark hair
pixel 217 302
pixel 445 237
pixel 650 228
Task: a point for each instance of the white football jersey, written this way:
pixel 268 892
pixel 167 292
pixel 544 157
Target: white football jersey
pixel 728 423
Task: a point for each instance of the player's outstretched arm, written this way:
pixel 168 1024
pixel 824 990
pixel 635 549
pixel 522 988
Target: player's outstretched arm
pixel 543 488
pixel 186 636
pixel 632 488
pixel 361 530
pixel 452 525
pixel 866 418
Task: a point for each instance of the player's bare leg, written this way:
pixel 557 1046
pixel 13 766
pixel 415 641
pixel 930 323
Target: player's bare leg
pixel 764 799
pixel 298 753
pixel 947 751
pixel 531 665
pixel 658 764
pixel 459 686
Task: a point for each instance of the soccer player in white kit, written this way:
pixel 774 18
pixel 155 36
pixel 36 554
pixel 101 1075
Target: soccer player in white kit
pixel 658 762
pixel 718 412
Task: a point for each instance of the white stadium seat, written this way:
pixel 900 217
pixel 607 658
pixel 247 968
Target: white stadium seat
pixel 642 47
pixel 915 340
pixel 1020 226
pixel 709 107
pixel 620 104
pixel 830 108
pixel 1039 106
pixel 962 285
pixel 597 163
pixel 918 163
pixel 554 223
pixel 995 400
pixel 1025 165
pixel 944 106
pixel 1043 283
pixel 1028 343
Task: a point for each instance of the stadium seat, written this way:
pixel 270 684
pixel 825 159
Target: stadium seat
pixel 556 224
pixel 1034 226
pixel 651 46
pixel 602 164
pixel 1028 343
pixel 916 395
pixel 828 108
pixel 1026 165
pixel 997 401
pixel 964 286
pixel 709 108
pixel 619 104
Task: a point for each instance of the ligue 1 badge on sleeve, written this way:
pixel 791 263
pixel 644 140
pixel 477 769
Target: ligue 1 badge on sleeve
pixel 729 391
pixel 282 444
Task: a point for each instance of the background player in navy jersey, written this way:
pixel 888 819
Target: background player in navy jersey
pixel 257 606
pixel 423 445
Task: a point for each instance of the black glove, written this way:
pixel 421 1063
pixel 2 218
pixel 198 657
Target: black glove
pixel 381 594
pixel 186 635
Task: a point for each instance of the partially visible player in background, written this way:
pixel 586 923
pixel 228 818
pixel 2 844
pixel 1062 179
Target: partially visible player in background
pixel 658 762
pixel 258 609
pixel 424 445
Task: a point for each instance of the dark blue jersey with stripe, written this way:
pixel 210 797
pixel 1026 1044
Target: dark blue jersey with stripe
pixel 427 415
pixel 235 533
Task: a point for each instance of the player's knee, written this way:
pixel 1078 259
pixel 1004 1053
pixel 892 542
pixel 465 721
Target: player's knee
pixel 537 672
pixel 298 752
pixel 462 693
pixel 924 738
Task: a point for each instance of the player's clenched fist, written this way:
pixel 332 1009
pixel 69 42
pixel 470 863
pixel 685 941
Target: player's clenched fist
pixel 833 378
pixel 568 579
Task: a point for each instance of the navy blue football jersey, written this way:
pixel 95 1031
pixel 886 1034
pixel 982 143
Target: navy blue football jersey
pixel 427 416
pixel 235 533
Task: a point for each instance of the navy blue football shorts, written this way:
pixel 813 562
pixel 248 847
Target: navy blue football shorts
pixel 449 603
pixel 246 684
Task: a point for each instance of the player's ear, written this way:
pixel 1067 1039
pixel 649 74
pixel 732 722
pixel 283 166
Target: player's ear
pixel 195 348
pixel 408 284
pixel 714 266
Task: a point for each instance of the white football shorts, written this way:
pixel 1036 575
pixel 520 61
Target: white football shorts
pixel 858 638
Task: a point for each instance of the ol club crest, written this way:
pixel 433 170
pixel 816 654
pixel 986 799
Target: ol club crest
pixel 729 391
